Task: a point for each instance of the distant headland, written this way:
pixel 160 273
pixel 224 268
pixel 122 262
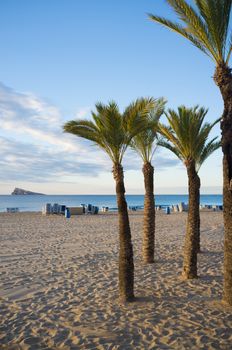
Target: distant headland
pixel 20 191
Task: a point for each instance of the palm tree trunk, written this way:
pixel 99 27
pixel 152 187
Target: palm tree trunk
pixel 223 79
pixel 149 214
pixel 192 233
pixel 199 220
pixel 126 264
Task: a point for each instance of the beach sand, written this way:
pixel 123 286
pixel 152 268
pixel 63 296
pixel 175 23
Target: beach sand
pixel 59 287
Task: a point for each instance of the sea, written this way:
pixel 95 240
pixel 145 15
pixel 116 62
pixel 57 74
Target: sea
pixel 36 202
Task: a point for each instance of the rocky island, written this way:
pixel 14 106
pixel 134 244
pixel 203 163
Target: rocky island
pixel 20 191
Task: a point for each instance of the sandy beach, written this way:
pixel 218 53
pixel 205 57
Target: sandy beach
pixel 59 287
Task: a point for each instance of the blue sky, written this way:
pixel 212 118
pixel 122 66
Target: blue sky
pixel 58 58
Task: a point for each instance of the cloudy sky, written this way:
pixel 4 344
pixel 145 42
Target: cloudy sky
pixel 58 58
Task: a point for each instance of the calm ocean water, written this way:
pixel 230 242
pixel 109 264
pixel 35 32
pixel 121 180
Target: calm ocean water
pixel 35 202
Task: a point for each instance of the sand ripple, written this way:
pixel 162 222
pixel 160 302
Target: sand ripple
pixel 59 286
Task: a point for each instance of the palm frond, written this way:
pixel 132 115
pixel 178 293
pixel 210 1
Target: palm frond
pixel 216 14
pixel 144 142
pixel 194 22
pixel 229 53
pixel 170 147
pixel 111 130
pixel 209 148
pixel 89 131
pixel 206 26
pixel 187 134
pixel 176 27
pixel 82 128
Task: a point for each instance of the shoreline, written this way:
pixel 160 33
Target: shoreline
pixel 35 203
pixel 158 208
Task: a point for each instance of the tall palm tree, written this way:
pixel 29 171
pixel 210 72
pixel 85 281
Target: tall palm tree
pixel 207 26
pixel 186 136
pixel 112 132
pixel 144 144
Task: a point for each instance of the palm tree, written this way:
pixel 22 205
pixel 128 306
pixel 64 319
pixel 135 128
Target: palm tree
pixel 144 144
pixel 186 136
pixel 207 27
pixel 112 132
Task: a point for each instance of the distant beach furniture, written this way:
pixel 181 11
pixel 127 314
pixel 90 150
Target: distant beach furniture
pixel 158 207
pixel 76 210
pixel 172 208
pixel 212 207
pixel 168 211
pixel 47 209
pixel 12 210
pixel 61 209
pixel 183 207
pixel 136 207
pixel 53 209
pixel 176 208
pixel 89 209
pixel 67 213
pixel 58 209
pixel 105 209
pixel 95 210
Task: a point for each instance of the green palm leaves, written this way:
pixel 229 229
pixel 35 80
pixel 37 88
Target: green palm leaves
pixel 143 143
pixel 187 135
pixel 206 25
pixel 111 130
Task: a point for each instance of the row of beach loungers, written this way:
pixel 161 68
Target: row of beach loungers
pixel 68 211
pixel 167 208
pixel 12 210
pixel 92 209
pixel 182 207
pixel 214 207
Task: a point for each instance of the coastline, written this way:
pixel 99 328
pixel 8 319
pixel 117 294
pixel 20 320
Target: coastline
pixel 35 203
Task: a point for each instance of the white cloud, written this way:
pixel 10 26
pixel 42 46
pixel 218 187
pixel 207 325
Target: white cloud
pixel 21 161
pixel 35 149
pixel 33 144
pixel 26 114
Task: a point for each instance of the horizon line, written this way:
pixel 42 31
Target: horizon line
pixel 108 194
